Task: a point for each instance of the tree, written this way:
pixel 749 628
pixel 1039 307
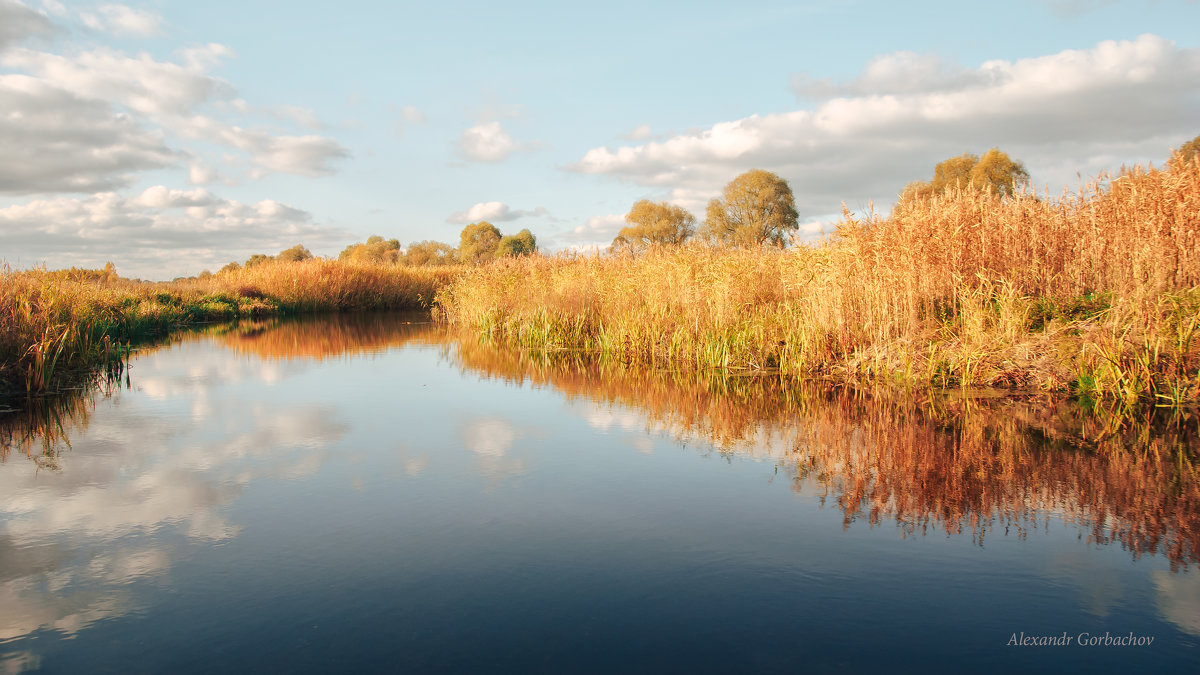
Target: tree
pixel 429 253
pixel 757 208
pixel 1187 152
pixel 478 242
pixel 230 267
pixel 296 253
pixel 654 223
pixel 375 250
pixel 995 170
pixel 998 171
pixel 258 259
pixel 521 243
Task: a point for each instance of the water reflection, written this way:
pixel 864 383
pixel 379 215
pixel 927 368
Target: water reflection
pixel 959 465
pixel 182 440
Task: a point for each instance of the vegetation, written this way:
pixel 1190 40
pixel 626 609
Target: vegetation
pixel 482 242
pixel 654 223
pixel 521 243
pixel 430 253
pixel 1096 293
pixel 756 208
pixel 995 170
pixel 54 322
pixel 376 250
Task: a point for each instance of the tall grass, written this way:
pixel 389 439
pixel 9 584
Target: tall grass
pixel 1096 292
pixel 52 323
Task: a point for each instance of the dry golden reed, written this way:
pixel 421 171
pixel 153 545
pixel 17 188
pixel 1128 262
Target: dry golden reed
pixel 1096 292
pixel 54 322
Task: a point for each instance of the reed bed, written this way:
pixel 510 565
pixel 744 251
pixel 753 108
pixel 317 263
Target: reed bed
pixel 55 323
pixel 1096 293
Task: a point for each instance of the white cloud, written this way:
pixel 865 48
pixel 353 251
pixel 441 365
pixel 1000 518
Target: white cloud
pixel 496 212
pixel 639 133
pixel 597 231
pixel 487 142
pixel 200 173
pixel 56 141
pixel 1076 110
pixel 122 20
pixel 115 114
pixel 150 235
pixel 18 22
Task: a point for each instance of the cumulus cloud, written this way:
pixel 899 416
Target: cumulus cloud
pixel 123 21
pixel 146 233
pixel 1075 110
pixel 487 142
pixel 597 231
pixel 899 73
pixel 639 133
pixel 102 115
pixel 496 212
pixel 56 141
pixel 18 22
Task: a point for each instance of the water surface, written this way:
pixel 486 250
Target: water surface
pixel 372 493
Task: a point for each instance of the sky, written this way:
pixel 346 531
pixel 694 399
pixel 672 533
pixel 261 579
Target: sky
pixel 173 137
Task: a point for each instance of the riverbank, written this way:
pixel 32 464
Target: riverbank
pixel 56 322
pixel 1095 294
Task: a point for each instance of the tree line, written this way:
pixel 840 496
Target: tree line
pixel 756 208
pixel 478 243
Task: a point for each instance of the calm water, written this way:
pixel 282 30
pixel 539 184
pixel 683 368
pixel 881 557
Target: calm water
pixel 369 494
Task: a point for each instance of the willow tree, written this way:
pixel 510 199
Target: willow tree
pixel 429 253
pixel 478 242
pixel 651 223
pixel 756 208
pixel 297 253
pixel 1187 152
pixel 521 243
pixel 994 171
pixel 375 249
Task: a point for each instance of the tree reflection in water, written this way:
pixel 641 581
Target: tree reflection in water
pixel 956 463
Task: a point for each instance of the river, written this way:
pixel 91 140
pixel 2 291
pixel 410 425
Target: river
pixel 375 493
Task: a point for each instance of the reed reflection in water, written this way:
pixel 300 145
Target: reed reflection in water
pixel 959 463
pixel 81 531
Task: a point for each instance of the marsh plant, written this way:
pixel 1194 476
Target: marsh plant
pixel 1095 293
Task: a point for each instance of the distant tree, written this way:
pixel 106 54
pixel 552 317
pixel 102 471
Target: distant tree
pixel 995 170
pixel 998 171
pixel 231 267
pixel 757 208
pixel 429 253
pixel 375 249
pixel 654 223
pixel 204 274
pixel 478 242
pixel 1187 152
pixel 953 172
pixel 521 243
pixel 296 253
pixel 258 259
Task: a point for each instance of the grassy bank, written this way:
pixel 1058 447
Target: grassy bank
pixel 55 322
pixel 1096 293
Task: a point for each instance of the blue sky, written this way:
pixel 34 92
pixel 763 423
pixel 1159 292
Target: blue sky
pixel 171 137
